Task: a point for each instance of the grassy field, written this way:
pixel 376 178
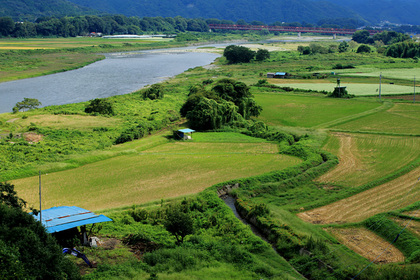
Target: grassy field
pixel 400 119
pixel 355 89
pixel 170 170
pixel 307 110
pixel 364 158
pixel 70 42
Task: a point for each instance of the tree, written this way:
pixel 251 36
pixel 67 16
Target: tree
pixel 154 92
pixel 27 251
pixel 262 54
pixel 238 54
pixel 361 36
pixel 179 223
pixel 363 49
pixel 6 26
pixel 8 196
pixel 343 46
pixel 100 106
pixel 27 103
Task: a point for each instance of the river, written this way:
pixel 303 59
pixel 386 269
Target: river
pixel 118 73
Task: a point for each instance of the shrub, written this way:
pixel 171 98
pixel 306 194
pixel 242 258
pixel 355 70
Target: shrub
pixel 100 106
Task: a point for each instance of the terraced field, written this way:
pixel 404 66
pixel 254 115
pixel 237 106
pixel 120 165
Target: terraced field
pixel 393 195
pixel 364 158
pixel 171 170
pixel 401 118
pixel 368 244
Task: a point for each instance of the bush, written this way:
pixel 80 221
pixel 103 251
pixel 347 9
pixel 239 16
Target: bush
pixel 154 92
pixel 238 54
pixel 363 49
pixel 100 106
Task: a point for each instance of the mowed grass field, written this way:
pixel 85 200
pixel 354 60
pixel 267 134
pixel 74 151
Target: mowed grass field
pixel 70 42
pixel 366 157
pixel 170 170
pixel 393 195
pixel 308 110
pixel 354 88
pixel 400 119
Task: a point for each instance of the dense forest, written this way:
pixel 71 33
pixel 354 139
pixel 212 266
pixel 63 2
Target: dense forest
pixel 302 11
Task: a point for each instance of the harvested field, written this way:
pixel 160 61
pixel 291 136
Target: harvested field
pixel 395 194
pixel 364 158
pixel 413 226
pixel 367 244
pixel 349 159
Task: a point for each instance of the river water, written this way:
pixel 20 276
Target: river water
pixel 119 73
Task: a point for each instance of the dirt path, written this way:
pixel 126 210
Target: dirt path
pixel 348 159
pixel 368 244
pixel 395 194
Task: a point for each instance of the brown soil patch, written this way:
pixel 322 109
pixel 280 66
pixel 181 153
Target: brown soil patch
pixel 368 245
pixel 415 213
pixel 12 120
pixel 32 137
pixel 348 159
pixel 400 97
pixel 413 226
pixel 395 194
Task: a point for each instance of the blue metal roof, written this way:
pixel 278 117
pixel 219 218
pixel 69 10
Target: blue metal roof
pixel 186 130
pixel 61 218
pixel 280 73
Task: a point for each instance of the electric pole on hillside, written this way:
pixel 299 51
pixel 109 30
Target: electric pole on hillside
pixel 40 199
pixel 414 95
pixel 380 83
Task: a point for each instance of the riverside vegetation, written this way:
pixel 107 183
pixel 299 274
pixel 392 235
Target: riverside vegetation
pixel 304 124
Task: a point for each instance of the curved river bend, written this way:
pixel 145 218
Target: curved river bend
pixel 119 73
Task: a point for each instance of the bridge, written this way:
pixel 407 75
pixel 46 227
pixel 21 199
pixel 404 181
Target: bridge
pixel 334 31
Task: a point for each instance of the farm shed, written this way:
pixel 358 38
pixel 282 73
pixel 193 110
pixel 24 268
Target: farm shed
pixel 183 133
pixel 280 75
pixel 270 75
pixel 62 218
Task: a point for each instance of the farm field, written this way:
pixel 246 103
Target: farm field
pixel 71 42
pixel 170 170
pixel 368 244
pixel 393 195
pixel 353 88
pixel 308 110
pixel 365 158
pixel 400 119
pixel 396 73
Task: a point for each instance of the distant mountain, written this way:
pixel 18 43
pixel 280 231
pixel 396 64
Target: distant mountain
pixel 395 11
pixel 30 10
pixel 267 11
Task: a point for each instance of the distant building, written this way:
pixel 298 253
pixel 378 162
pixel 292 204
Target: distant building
pixel 277 75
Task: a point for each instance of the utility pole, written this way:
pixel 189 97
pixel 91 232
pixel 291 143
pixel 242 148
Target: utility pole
pixel 380 83
pixel 414 95
pixel 40 198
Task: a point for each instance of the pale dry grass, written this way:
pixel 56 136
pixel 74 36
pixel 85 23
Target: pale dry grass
pixel 349 159
pixel 368 244
pixel 364 158
pixel 67 121
pixel 395 194
pixel 413 226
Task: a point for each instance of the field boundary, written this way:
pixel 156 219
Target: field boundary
pixel 385 106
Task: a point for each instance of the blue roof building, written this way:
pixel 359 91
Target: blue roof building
pixel 62 218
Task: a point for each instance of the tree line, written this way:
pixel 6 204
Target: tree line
pixel 109 24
